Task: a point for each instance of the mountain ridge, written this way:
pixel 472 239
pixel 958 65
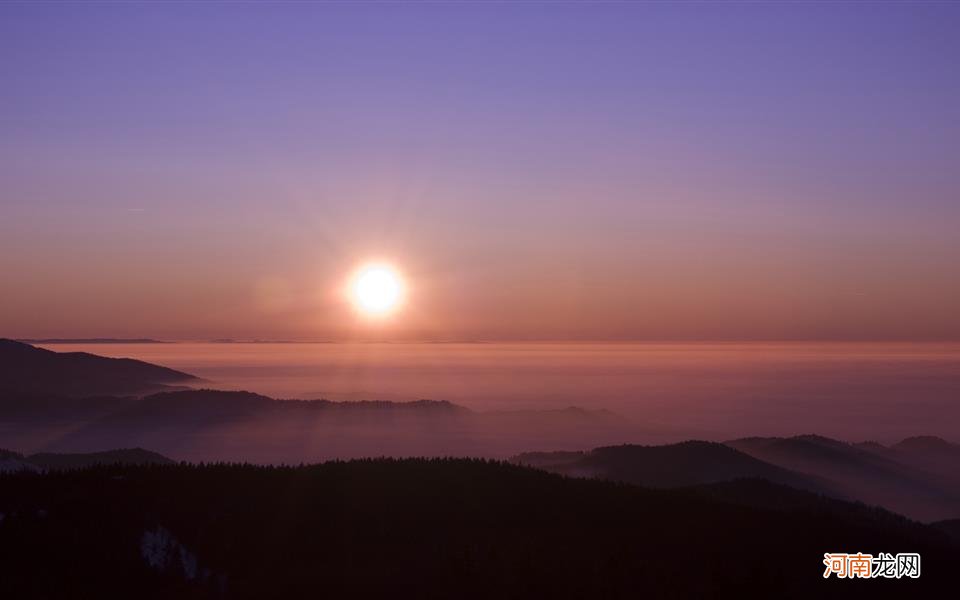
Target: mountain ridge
pixel 29 369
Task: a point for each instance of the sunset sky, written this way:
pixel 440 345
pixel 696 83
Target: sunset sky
pixel 534 171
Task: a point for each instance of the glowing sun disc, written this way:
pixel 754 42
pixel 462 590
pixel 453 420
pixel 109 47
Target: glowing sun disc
pixel 377 289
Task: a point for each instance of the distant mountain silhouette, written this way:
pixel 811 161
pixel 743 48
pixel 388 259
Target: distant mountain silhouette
pixel 427 529
pixel 14 461
pixel 215 405
pixel 927 444
pixel 929 452
pixel 25 369
pixel 123 456
pixel 917 477
pixel 92 341
pixel 675 465
pixel 934 456
pixel 231 425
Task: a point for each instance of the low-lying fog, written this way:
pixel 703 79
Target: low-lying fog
pixel 852 391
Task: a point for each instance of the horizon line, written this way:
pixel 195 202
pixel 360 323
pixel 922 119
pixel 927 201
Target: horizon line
pixel 150 340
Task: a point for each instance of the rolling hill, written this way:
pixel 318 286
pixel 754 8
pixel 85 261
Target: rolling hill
pixel 916 477
pixel 669 466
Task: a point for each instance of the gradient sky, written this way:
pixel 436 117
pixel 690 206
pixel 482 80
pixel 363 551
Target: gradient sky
pixel 538 171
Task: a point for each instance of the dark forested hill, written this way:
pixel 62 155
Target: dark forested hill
pixel 25 369
pixel 424 529
pixel 123 456
pixel 14 461
pixel 673 465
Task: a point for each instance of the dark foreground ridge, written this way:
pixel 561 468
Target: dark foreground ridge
pixel 441 528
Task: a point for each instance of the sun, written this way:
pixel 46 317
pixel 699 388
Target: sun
pixel 377 289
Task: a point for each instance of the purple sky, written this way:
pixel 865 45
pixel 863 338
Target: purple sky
pixel 553 171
